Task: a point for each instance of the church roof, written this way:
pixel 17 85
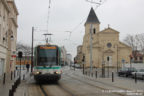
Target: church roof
pixel 92 18
pixel 123 44
pixel 108 30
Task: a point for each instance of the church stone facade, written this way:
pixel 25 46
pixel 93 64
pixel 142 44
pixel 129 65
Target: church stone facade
pixel 106 47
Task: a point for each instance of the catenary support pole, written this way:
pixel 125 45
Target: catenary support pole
pixel 91 66
pixel 32 49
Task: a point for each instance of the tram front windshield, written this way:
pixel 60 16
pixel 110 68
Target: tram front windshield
pixel 47 57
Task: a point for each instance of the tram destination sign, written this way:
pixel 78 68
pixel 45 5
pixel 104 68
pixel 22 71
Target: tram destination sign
pixel 46 47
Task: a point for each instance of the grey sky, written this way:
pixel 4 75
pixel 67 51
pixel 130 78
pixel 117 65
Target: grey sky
pixel 125 16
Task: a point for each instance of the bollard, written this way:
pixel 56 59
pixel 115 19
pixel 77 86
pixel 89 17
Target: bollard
pixel 112 76
pixel 11 75
pixel 13 88
pixel 23 76
pixel 86 72
pixel 135 78
pixel 10 92
pixel 14 74
pixel 4 76
pixel 96 74
pixel 17 72
pixel 19 81
pixel 16 83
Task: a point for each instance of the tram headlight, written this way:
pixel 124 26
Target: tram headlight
pixel 57 72
pixel 36 73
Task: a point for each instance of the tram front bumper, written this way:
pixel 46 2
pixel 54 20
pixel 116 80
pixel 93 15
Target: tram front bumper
pixel 47 77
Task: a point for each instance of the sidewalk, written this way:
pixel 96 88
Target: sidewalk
pixel 120 83
pixel 4 88
pixel 22 89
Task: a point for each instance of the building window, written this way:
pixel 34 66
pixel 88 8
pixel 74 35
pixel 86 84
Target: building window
pixel 141 58
pixel 94 31
pixel 109 45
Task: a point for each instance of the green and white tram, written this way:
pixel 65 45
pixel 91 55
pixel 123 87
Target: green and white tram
pixel 47 65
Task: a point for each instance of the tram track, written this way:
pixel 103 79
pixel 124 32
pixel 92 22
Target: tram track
pixel 71 85
pixel 65 89
pixel 43 91
pixel 55 90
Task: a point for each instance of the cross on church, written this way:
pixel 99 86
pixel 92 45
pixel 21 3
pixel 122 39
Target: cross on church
pixel 108 25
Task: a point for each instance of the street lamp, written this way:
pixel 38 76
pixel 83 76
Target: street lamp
pixel 103 62
pixel 32 49
pixel 12 37
pixel 91 46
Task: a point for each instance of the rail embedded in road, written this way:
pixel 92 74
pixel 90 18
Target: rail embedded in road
pixel 55 90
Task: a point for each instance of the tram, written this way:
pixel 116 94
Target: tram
pixel 47 65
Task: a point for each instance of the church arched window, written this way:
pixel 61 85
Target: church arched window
pixel 94 31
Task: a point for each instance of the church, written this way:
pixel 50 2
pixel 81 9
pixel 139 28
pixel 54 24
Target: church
pixel 106 47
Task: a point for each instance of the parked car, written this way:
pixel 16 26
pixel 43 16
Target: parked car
pixel 76 66
pixel 126 71
pixel 139 74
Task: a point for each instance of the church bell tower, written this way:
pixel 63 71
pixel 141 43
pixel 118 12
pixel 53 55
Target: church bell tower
pixel 92 19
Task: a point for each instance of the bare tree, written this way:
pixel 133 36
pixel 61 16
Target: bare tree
pixel 131 41
pixel 136 42
pixel 140 41
pixel 26 49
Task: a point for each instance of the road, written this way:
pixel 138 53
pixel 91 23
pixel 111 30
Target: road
pixel 69 85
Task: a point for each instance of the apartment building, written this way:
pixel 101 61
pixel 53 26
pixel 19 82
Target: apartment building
pixel 8 35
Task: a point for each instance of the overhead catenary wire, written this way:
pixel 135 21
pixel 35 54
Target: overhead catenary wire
pixel 48 15
pixel 100 2
pixel 91 1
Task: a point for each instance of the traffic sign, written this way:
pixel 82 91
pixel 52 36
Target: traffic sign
pixel 123 60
